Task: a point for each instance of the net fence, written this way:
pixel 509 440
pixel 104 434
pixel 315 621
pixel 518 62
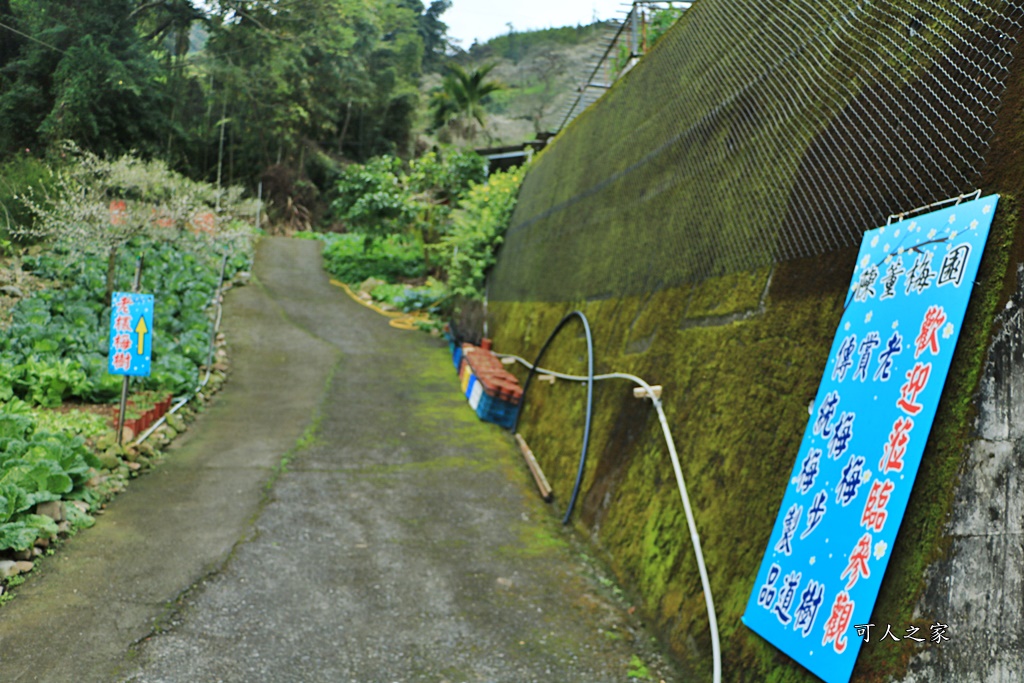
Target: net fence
pixel 619 49
pixel 755 132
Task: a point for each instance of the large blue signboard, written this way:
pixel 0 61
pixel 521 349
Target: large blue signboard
pixel 131 334
pixel 849 488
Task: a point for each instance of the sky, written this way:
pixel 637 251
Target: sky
pixel 483 19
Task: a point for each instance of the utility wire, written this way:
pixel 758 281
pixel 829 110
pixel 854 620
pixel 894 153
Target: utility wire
pixel 32 38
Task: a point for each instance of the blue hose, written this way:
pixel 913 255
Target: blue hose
pixel 590 398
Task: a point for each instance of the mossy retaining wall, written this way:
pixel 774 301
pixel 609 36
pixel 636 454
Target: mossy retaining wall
pixel 740 357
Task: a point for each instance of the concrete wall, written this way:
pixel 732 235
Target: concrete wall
pixel 978 587
pixel 740 355
pixel 740 358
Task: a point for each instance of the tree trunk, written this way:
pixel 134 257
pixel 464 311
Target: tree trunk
pixel 344 127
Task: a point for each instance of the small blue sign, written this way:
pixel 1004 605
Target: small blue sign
pixel 131 334
pixel 849 487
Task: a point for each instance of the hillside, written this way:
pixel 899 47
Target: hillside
pixel 541 71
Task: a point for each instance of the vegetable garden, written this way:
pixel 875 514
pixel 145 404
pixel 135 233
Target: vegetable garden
pixel 83 229
pixel 414 236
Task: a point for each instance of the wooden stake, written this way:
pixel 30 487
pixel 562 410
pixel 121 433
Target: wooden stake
pixel 538 476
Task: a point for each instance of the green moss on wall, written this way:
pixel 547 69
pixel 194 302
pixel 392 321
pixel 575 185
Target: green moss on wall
pixel 736 390
pixel 614 219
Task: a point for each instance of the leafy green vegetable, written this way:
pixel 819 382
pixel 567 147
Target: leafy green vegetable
pixel 17 536
pixel 77 518
pixel 56 346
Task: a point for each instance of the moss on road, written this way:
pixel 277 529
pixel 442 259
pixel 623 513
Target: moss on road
pixel 338 514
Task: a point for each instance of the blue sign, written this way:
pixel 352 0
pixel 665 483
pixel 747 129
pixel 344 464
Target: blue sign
pixel 835 531
pixel 131 334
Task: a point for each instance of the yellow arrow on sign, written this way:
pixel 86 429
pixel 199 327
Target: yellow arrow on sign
pixel 141 329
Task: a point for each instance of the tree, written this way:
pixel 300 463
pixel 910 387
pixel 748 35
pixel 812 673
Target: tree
pixel 11 42
pixel 85 76
pixel 434 33
pixel 301 75
pixel 547 67
pixel 461 98
pixel 276 82
pixel 94 206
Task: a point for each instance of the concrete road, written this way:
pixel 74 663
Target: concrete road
pixel 338 514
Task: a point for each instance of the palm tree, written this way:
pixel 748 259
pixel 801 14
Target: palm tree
pixel 461 99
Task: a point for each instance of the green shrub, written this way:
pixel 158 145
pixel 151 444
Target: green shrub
pixel 22 175
pixel 427 298
pixel 478 228
pixel 351 261
pixel 388 293
pixel 381 198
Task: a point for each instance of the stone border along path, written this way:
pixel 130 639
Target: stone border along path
pixel 336 514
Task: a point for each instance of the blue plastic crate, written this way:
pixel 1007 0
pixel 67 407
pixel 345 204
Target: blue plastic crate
pixel 496 410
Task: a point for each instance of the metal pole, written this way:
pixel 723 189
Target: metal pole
pixel 120 412
pixel 124 382
pixel 137 283
pixel 220 149
pixel 634 48
pixel 259 206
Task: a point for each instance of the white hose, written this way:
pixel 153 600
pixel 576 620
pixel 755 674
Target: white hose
pixel 716 651
pixel 218 301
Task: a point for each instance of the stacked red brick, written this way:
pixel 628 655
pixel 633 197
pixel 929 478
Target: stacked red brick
pixel 496 380
pixel 147 418
pixel 493 392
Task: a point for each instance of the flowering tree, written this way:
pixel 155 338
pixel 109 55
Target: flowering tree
pixel 98 205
